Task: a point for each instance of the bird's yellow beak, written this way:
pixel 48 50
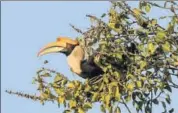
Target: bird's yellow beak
pixel 59 46
pixel 52 47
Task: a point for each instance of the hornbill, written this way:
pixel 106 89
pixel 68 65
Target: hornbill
pixel 75 57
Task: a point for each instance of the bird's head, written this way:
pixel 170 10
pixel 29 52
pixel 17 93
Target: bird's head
pixel 62 44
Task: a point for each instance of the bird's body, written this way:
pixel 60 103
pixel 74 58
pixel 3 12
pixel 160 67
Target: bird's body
pixel 75 57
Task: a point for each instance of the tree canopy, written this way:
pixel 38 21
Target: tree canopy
pixel 139 58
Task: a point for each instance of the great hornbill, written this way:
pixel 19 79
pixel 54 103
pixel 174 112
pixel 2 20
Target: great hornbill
pixel 75 57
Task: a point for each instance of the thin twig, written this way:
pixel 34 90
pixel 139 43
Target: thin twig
pixel 151 100
pixel 33 97
pixel 125 105
pixel 77 29
pixel 154 4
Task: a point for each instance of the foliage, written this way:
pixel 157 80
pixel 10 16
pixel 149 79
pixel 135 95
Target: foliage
pixel 139 58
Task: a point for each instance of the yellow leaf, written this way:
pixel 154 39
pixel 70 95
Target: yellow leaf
pixel 105 79
pixel 44 95
pixel 113 84
pixel 80 110
pixel 59 91
pixel 137 11
pixel 175 63
pixel 113 15
pixel 71 85
pixel 77 83
pixel 130 86
pixel 61 99
pixel 112 25
pixel 117 94
pixel 95 96
pixel 139 84
pixel 153 22
pixel 72 103
pixel 174 57
pixel 107 100
pixel 87 87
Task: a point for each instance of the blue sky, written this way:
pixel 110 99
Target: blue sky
pixel 26 27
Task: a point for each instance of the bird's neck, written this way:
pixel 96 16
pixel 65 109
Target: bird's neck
pixel 75 58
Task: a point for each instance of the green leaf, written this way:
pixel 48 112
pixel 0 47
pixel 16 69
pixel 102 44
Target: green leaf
pixel 87 105
pixel 69 95
pixel 58 78
pixel 67 111
pixel 147 8
pixel 151 48
pixel 33 81
pixel 118 41
pixel 147 109
pixel 119 55
pixel 103 15
pixel 116 74
pixel 102 108
pixel 160 36
pixel 128 98
pixel 117 110
pixel 46 75
pixel 166 47
pixel 46 61
pixel 101 86
pixel 143 64
pixel 171 110
pixel 64 82
pixel 130 76
pixel 168 100
pixel 170 28
pixel 163 104
pixel 155 101
pixel 162 17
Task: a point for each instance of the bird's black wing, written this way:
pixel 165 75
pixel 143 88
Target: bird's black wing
pixel 90 69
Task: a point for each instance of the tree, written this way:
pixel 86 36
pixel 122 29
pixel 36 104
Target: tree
pixel 139 58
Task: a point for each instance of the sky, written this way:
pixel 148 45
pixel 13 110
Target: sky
pixel 28 26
